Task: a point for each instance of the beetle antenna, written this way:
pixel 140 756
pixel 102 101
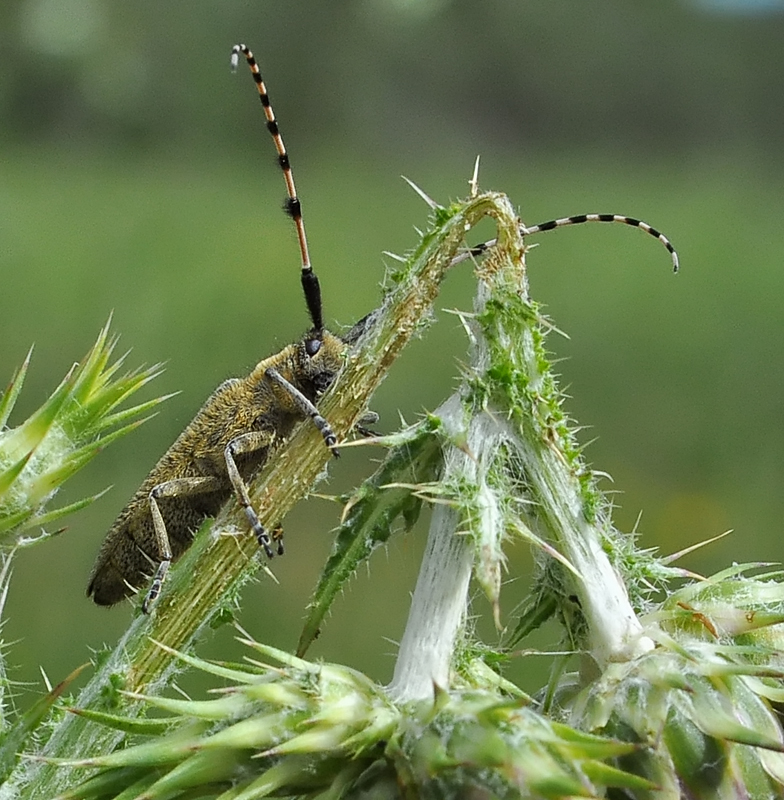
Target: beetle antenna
pixel 293 207
pixel 483 247
pixel 635 223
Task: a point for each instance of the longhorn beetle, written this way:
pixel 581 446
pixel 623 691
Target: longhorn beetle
pixel 242 422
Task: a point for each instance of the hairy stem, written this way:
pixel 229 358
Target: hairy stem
pixel 207 578
pixel 439 603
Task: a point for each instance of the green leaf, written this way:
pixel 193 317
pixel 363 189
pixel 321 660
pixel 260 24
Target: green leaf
pixel 200 770
pixel 120 784
pixel 219 709
pixel 56 513
pixel 8 477
pixel 15 738
pixel 32 432
pixel 110 420
pixel 370 515
pixel 135 725
pixel 8 399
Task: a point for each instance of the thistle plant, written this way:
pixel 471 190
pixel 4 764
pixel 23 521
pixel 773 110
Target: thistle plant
pixel 677 678
pixel 286 726
pixel 81 417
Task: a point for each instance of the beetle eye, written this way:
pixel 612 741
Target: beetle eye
pixel 312 346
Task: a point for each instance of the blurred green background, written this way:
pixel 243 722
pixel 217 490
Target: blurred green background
pixel 137 178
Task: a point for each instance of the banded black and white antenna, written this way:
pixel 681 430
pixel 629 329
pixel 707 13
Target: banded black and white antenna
pixel 481 248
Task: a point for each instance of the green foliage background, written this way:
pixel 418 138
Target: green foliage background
pixel 137 177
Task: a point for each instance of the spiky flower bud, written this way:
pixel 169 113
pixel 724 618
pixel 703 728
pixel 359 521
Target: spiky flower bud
pixel 699 704
pixel 79 419
pixel 305 728
pixel 72 427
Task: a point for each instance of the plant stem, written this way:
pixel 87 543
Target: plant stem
pixel 508 419
pixel 439 603
pixel 223 559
